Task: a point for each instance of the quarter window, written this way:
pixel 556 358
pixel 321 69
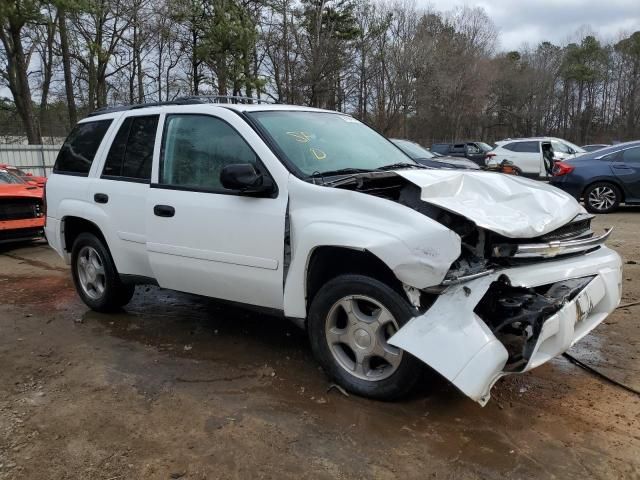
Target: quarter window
pixel 510 146
pixel 131 153
pixel 196 148
pixel 80 147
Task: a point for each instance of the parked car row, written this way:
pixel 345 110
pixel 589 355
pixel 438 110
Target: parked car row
pixel 604 178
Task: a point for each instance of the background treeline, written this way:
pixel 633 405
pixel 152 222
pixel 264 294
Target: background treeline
pixel 408 72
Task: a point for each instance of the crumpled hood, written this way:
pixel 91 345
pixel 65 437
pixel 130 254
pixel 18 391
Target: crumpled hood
pixel 510 205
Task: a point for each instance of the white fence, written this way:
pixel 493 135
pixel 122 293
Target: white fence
pixel 37 159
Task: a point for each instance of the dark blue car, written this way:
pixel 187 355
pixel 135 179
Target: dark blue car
pixel 603 179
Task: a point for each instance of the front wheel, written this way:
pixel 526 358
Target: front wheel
pixel 602 197
pixel 351 320
pixel 95 275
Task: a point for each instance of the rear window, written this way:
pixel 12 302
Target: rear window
pixel 78 150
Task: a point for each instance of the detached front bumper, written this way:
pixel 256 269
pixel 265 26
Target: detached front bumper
pixel 455 341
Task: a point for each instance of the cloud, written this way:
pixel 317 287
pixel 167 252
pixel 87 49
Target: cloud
pixel 557 21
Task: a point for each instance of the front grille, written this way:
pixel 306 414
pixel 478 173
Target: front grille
pixel 580 227
pixel 20 235
pixel 20 208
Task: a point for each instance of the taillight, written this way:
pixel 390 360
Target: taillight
pixel 490 155
pixel 561 168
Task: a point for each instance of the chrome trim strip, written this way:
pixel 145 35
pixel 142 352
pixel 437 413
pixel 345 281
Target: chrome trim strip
pixel 554 248
pixel 466 278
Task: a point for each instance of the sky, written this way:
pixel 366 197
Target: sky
pixel 533 21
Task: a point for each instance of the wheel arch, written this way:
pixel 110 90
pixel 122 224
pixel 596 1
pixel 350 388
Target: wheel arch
pixel 328 262
pixel 72 226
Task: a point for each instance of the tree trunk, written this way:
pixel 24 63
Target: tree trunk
pixel 66 66
pixel 19 81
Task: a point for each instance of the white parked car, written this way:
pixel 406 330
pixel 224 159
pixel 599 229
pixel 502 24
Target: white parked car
pixel 533 157
pixel 312 215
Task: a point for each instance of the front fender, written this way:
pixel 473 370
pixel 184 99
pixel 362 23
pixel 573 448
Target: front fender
pixel 416 248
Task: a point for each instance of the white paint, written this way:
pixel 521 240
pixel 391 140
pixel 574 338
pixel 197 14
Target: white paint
pixel 512 206
pixel 455 342
pixel 232 247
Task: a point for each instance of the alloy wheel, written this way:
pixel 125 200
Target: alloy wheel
pixel 91 273
pixel 602 197
pixel 356 331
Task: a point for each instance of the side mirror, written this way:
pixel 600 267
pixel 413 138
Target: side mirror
pixel 244 178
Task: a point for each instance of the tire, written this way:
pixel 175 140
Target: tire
pixel 95 276
pixel 339 340
pixel 602 197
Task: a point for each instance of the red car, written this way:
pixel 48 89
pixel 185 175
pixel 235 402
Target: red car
pixel 22 214
pixel 27 177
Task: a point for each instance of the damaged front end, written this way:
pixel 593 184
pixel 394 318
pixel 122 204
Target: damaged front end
pixel 516 315
pixel 532 278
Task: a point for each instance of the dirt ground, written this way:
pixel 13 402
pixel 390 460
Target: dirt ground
pixel 178 386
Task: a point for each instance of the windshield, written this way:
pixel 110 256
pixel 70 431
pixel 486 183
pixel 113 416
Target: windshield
pixel 319 142
pixel 484 147
pixel 412 149
pixel 6 177
pixel 575 148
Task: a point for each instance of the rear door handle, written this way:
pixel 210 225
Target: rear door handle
pixel 101 198
pixel 620 166
pixel 164 211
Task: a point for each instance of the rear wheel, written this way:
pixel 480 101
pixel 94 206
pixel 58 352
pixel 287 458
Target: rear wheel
pixel 602 197
pixel 350 322
pixel 95 275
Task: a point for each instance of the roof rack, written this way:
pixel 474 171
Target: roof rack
pixel 235 99
pixel 190 100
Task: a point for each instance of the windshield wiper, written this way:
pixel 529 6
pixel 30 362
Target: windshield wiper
pixel 395 166
pixel 340 171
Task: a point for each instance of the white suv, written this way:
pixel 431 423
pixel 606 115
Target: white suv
pixel 312 215
pixel 533 157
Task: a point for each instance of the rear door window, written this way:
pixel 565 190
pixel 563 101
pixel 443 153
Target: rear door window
pixel 632 155
pixel 80 147
pixel 510 146
pixel 131 153
pixel 527 147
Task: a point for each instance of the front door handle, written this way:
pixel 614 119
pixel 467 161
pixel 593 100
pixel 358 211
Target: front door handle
pixel 101 198
pixel 164 211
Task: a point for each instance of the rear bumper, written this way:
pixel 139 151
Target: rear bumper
pixel 54 237
pixel 573 189
pixel 451 338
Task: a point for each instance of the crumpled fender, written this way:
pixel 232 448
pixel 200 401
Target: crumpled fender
pixel 416 248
